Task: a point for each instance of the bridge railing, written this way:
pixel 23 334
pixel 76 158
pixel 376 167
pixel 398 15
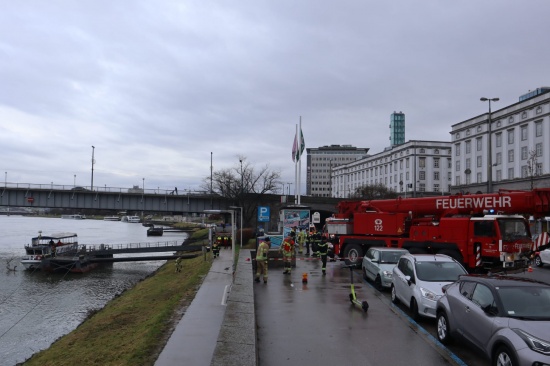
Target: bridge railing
pixel 104 188
pixel 118 247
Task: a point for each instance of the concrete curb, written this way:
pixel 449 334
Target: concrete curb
pixel 236 344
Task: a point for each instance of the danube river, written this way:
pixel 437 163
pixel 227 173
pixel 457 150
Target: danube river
pixel 37 308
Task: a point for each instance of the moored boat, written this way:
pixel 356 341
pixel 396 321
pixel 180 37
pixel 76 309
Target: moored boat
pixel 155 231
pixel 111 218
pixel 74 217
pixel 131 219
pixel 44 247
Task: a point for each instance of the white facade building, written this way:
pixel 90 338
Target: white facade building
pixel 411 169
pixel 320 162
pixel 520 152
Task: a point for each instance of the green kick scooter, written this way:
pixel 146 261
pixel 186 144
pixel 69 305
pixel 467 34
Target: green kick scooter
pixel 363 305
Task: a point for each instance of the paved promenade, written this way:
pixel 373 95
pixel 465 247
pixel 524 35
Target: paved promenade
pixel 218 328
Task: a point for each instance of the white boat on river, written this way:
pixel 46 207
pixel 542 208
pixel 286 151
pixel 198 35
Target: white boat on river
pixel 46 246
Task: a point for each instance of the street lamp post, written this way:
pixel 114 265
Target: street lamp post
pixel 93 161
pixel 489 146
pixel 232 213
pixel 240 208
pixel 74 182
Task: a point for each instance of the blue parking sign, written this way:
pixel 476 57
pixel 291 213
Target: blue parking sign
pixel 263 213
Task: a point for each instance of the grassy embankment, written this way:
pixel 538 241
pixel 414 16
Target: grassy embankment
pixel 132 328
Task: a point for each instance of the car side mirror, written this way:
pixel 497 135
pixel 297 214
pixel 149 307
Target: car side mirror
pixel 409 280
pixel 490 310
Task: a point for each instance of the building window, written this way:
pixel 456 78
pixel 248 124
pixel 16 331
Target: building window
pixel 524 153
pixel 538 148
pixel 511 156
pixel 499 158
pixel 538 128
pixel 422 151
pixel 436 175
pixel 510 173
pixel 436 162
pixel 436 187
pixel 467 132
pixel 468 179
pixel 407 163
pixel 498 138
pixel 499 175
pixel 479 145
pixel 478 128
pixel 524 115
pixel 511 120
pixel 436 151
pixel 422 175
pixel 539 110
pixel 524 171
pixel 457 180
pixel 539 169
pixel 449 163
pixel 478 177
pixel 422 162
pixel 478 164
pixel 510 137
pixel 468 147
pixel 422 187
pixel 468 164
pixel 457 149
pixel 457 136
pixel 523 133
pixel 457 165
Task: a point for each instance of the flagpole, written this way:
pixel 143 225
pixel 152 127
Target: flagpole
pixel 300 163
pixel 296 163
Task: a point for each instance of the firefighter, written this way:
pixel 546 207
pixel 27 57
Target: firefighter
pixel 315 242
pixel 225 241
pixel 287 248
pixel 216 248
pixel 302 236
pixel 261 259
pixel 322 251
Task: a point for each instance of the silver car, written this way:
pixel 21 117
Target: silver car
pixel 418 280
pixel 507 318
pixel 378 265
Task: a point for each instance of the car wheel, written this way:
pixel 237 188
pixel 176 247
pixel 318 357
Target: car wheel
pixel 504 357
pixel 394 298
pixel 353 255
pixel 378 283
pixel 443 330
pixel 365 274
pixel 538 261
pixel 414 309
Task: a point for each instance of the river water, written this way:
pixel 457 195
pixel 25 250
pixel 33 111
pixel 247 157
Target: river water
pixel 37 308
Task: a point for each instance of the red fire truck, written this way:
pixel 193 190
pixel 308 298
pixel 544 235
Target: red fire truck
pixel 482 231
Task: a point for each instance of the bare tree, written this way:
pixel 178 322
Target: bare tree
pixel 373 192
pixel 244 185
pixel 532 167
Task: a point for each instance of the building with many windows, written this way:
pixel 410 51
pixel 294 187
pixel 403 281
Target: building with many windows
pixel 397 128
pixel 519 148
pixel 410 169
pixel 320 162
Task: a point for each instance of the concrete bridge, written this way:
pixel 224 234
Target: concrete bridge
pixel 134 199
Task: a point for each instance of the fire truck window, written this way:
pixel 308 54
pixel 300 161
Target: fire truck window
pixel 484 228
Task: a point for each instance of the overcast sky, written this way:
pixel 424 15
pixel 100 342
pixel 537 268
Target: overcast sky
pixel 157 86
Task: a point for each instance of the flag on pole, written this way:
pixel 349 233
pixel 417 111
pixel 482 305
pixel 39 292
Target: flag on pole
pixel 294 148
pixel 301 146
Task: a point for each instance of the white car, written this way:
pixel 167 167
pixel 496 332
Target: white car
pixel 378 265
pixel 418 280
pixel 542 257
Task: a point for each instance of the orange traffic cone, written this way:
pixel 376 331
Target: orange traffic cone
pixel 304 277
pixel 530 269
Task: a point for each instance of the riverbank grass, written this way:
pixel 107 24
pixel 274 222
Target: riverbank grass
pixel 133 328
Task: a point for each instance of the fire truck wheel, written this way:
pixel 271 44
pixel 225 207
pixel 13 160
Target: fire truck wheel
pixel 453 254
pixel 353 254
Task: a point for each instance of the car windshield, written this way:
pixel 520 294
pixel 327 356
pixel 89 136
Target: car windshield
pixel 439 271
pixel 391 257
pixel 532 302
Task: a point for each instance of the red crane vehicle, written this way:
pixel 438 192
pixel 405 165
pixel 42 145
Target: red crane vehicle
pixel 482 231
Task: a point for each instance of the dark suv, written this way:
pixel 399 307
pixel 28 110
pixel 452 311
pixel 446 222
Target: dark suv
pixel 507 318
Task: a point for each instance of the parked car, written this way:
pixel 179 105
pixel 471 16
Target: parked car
pixel 507 318
pixel 542 256
pixel 378 265
pixel 418 280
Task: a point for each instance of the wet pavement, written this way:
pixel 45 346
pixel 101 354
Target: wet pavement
pixel 288 322
pixel 315 323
